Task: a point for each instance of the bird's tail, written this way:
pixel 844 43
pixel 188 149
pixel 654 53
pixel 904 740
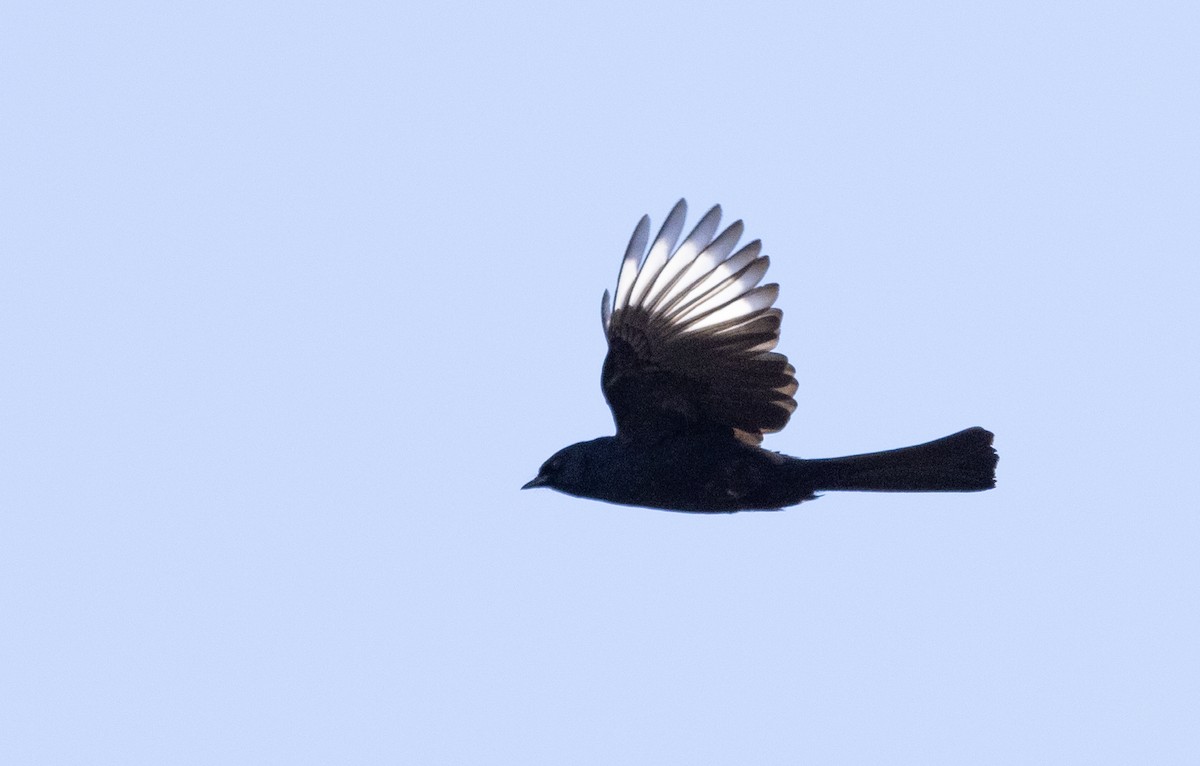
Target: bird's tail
pixel 961 462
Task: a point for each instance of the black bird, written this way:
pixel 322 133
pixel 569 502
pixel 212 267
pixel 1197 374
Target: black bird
pixel 693 385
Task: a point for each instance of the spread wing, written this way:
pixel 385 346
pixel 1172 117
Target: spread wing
pixel 690 333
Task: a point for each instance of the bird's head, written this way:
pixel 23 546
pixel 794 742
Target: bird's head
pixel 568 469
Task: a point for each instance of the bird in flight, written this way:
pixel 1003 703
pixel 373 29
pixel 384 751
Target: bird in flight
pixel 694 383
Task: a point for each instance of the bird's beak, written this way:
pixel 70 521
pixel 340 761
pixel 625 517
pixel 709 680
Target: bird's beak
pixel 537 481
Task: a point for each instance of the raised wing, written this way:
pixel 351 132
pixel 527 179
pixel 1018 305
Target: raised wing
pixel 690 333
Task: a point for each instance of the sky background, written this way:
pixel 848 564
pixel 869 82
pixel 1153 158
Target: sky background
pixel 294 297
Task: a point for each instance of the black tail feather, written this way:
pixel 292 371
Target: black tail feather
pixel 961 462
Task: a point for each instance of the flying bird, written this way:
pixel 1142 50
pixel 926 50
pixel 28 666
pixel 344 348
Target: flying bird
pixel 693 382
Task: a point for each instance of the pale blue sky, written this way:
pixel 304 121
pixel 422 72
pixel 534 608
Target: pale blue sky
pixel 294 297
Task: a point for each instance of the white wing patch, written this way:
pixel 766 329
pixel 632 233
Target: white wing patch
pixel 698 285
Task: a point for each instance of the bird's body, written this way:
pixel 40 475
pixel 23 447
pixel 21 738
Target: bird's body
pixel 718 474
pixel 693 384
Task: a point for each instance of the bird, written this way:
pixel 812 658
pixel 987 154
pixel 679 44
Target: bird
pixel 694 383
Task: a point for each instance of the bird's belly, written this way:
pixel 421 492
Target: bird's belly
pixel 699 478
